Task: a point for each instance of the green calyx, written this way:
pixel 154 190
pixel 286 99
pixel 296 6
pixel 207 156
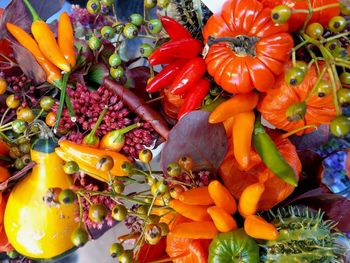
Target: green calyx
pixel 91 138
pixel 119 135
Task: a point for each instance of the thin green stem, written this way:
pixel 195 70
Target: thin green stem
pixel 325 7
pixel 334 87
pixel 32 11
pixel 4 115
pixel 39 114
pixel 80 209
pixel 98 122
pixel 70 108
pixel 309 15
pixel 85 197
pixel 335 37
pixel 319 79
pixel 62 99
pixel 5 137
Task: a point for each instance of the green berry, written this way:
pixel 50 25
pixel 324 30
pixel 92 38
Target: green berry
pixel 281 14
pixel 332 45
pixel 136 19
pixel 151 180
pixel 294 76
pixel 150 3
pixel 302 65
pixel 127 167
pixel 79 237
pixel 162 187
pixel 97 213
pixel 130 31
pixel 12 102
pixel 345 78
pixel 153 219
pixel 107 32
pixel 26 159
pixel 24 147
pixel 117 72
pixel 46 103
pixel 145 156
pixel 119 212
pixel 18 126
pixel 115 60
pixel 344 9
pixel 340 126
pixel 94 43
pixel 337 24
pixel 93 6
pixel 146 50
pixel 154 26
pixel 107 2
pixel 115 250
pixel 126 257
pixel 71 167
pixel 118 187
pixel 66 196
pixel 142 210
pixel 343 96
pixel 19 165
pixel 315 30
pixel 324 88
pixel 163 3
pixel 173 169
pixel 340 52
pixel 118 27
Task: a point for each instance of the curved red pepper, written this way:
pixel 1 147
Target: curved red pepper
pixel 174 29
pixel 165 77
pixel 194 97
pixel 184 48
pixel 190 73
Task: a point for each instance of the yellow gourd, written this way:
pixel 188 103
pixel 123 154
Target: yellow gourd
pixel 37 226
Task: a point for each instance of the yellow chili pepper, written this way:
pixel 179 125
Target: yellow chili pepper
pixel 66 38
pixel 53 74
pixel 249 200
pixel 256 227
pixel 47 41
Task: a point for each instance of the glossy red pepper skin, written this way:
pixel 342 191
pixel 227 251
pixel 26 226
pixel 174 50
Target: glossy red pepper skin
pixel 194 97
pixel 165 77
pixel 190 74
pixel 174 29
pixel 180 49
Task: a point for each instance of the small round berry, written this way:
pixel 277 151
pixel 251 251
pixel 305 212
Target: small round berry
pixel 302 65
pixel 25 114
pixel 173 169
pixel 66 196
pixel 107 32
pixel 70 167
pixel 118 188
pixel 12 102
pixel 26 159
pixel 107 2
pixel 115 250
pixel 151 180
pixel 105 164
pixel 119 212
pixel 153 234
pixel 93 6
pixel 24 147
pixel 50 119
pixel 154 26
pixel 163 3
pixel 294 76
pixel 3 86
pixel 340 126
pixel 119 27
pixel 146 50
pixel 315 30
pixel 18 126
pixel 164 228
pixel 162 187
pixel 126 257
pixel 142 210
pixel 145 156
pixel 150 3
pixel 337 24
pixel 343 96
pixel 324 88
pixel 94 43
pixel 345 78
pixel 340 52
pixel 115 60
pixel 136 19
pixel 281 14
pixel 130 31
pixel 117 72
pixel 186 163
pixel 332 45
pixel 19 165
pixel 97 213
pixel 79 237
pixel 127 167
pixel 46 103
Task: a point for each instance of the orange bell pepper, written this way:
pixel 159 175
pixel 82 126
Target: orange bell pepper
pixel 256 227
pixel 196 196
pixel 222 197
pixel 224 222
pixel 193 212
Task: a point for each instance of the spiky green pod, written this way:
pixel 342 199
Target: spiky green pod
pixel 304 237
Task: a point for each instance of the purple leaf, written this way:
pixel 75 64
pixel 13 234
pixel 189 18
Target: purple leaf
pixel 193 136
pixel 311 140
pixel 47 8
pixel 28 64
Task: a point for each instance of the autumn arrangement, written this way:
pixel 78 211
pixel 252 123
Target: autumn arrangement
pixel 213 137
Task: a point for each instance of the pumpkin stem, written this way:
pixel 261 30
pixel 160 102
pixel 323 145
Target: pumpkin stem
pixel 241 45
pixel 296 112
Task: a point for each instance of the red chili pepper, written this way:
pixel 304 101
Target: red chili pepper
pixel 184 48
pixel 190 73
pixel 194 97
pixel 165 77
pixel 174 29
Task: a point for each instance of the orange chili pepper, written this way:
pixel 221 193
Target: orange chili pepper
pixel 223 221
pixel 194 212
pixel 195 230
pixel 242 131
pixel 47 41
pixel 66 39
pixel 228 124
pixel 53 74
pixel 256 227
pixel 222 197
pixel 249 200
pixel 4 174
pixel 91 156
pixel 237 104
pixel 196 196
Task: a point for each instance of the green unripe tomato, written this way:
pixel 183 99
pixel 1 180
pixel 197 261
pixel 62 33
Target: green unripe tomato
pixel 340 126
pixel 79 237
pixel 130 31
pixel 118 27
pixel 154 26
pixel 26 159
pixel 119 212
pixel 145 156
pixel 337 24
pixel 315 30
pixel 18 126
pixel 127 167
pixel 345 78
pixel 343 97
pixel 150 3
pixel 46 103
pixel 94 43
pixel 117 72
pixel 295 76
pixel 146 50
pixel 324 88
pixel 136 19
pixel 115 60
pixel 107 32
pixel 93 6
pixel 281 14
pixel 97 213
pixel 162 187
pixel 66 196
pixel 118 187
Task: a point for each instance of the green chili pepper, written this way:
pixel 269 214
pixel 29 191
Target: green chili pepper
pixel 271 156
